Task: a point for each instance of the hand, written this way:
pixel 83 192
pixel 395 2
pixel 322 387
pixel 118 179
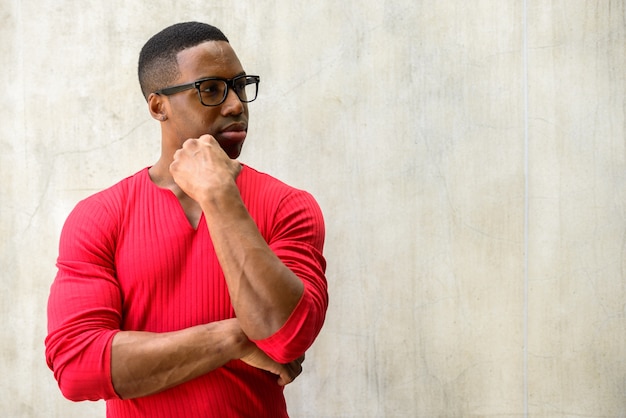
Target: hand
pixel 286 373
pixel 201 166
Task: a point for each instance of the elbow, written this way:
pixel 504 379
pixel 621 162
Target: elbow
pixel 81 371
pixel 74 389
pixel 298 333
pixel 74 393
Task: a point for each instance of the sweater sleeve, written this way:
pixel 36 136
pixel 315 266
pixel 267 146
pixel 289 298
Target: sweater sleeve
pixel 84 306
pixel 298 240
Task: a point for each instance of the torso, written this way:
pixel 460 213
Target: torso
pixel 192 209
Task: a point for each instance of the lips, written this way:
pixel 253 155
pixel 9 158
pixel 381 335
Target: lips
pixel 231 138
pixel 234 133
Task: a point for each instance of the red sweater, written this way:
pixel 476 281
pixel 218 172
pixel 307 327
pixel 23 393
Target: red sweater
pixel 130 260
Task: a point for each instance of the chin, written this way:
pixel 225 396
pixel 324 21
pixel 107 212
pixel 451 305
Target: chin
pixel 233 151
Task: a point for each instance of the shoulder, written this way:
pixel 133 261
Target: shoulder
pixel 93 226
pixel 278 207
pixel 252 178
pixel 261 189
pixel 257 182
pixel 116 194
pixel 107 205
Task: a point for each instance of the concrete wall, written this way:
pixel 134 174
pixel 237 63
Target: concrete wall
pixel 469 156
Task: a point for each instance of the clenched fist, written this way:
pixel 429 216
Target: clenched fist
pixel 201 168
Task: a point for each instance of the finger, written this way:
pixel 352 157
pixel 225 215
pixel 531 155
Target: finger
pixel 301 358
pixel 175 161
pixel 189 143
pixel 293 369
pixel 297 366
pixel 285 379
pixel 207 139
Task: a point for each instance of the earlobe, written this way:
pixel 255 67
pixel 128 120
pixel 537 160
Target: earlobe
pixel 156 106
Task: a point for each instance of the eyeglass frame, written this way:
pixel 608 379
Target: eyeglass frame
pixel 230 84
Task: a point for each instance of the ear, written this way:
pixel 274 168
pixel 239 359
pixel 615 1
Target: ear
pixel 157 105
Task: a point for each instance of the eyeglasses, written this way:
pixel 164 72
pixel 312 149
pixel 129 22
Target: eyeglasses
pixel 212 91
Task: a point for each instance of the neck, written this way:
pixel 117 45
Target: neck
pixel 160 175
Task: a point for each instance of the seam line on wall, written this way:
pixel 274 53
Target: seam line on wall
pixel 526 201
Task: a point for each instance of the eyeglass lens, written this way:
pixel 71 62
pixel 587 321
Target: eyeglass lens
pixel 213 92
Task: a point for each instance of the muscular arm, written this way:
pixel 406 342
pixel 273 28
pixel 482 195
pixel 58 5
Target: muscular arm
pixel 263 291
pixel 143 363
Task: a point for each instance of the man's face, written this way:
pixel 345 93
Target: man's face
pixel 188 118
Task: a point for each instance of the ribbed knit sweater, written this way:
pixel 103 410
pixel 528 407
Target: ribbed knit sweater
pixel 130 260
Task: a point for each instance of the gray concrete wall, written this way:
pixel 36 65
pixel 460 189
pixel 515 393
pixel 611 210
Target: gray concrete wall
pixel 469 157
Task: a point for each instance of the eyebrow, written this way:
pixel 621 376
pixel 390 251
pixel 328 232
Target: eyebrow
pixel 213 76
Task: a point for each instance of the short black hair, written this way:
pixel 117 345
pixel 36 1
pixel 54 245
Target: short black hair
pixel 158 66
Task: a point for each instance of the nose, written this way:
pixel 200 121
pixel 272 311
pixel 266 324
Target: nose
pixel 232 105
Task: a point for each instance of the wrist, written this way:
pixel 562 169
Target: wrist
pixel 235 341
pixel 224 200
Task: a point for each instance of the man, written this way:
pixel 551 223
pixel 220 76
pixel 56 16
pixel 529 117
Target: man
pixel 194 287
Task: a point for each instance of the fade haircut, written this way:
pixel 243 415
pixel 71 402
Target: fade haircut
pixel 158 67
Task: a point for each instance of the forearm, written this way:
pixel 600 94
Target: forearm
pixel 143 363
pixel 263 291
